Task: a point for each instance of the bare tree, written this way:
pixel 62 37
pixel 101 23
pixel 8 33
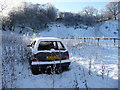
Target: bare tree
pixel 52 12
pixel 112 8
pixel 90 11
pixel 31 15
pixel 3 6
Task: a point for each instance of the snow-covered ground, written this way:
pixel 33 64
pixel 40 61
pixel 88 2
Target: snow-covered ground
pixel 106 29
pixel 94 64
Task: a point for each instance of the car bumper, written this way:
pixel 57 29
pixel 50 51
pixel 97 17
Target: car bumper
pixel 52 62
pixel 41 65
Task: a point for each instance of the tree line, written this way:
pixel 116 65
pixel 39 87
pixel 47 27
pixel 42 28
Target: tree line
pixel 90 15
pixel 38 16
pixel 32 15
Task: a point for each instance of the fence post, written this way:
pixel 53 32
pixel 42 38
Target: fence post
pixel 114 41
pixel 98 41
pixel 84 40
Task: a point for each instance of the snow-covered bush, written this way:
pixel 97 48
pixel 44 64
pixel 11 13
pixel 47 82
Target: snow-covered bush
pixel 14 53
pixel 93 64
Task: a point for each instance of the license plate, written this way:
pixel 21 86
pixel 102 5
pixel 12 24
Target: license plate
pixel 53 57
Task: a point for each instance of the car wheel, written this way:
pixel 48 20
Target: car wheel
pixel 58 70
pixel 30 61
pixel 34 70
pixel 66 68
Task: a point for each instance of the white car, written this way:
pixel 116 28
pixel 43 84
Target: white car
pixel 48 52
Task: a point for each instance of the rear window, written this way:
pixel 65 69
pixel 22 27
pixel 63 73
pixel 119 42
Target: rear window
pixel 48 45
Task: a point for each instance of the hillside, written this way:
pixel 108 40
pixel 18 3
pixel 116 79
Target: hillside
pixel 106 29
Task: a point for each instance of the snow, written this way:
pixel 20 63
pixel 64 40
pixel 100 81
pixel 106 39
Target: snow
pixel 106 29
pixel 93 64
pixel 47 38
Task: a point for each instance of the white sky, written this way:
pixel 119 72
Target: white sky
pixel 10 4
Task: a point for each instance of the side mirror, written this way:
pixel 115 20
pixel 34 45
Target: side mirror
pixel 29 45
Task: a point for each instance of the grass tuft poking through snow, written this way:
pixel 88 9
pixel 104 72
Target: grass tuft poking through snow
pixel 14 54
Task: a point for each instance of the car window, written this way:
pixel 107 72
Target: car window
pixel 48 45
pixel 60 46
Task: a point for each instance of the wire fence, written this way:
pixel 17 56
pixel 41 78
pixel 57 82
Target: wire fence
pixel 94 40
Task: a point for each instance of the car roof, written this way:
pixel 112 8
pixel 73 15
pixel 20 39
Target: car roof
pixel 47 38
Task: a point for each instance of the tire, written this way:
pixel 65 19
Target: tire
pixel 66 68
pixel 30 61
pixel 59 70
pixel 34 70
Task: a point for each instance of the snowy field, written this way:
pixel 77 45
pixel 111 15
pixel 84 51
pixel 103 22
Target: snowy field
pixel 94 64
pixel 106 29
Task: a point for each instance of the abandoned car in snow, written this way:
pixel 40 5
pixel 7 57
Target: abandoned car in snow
pixel 48 53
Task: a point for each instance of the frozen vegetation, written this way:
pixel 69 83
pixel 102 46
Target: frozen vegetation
pixel 94 64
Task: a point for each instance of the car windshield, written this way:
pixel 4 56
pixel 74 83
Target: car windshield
pixel 48 45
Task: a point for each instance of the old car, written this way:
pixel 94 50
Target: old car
pixel 48 52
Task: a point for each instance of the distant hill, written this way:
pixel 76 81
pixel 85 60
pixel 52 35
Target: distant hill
pixel 106 29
